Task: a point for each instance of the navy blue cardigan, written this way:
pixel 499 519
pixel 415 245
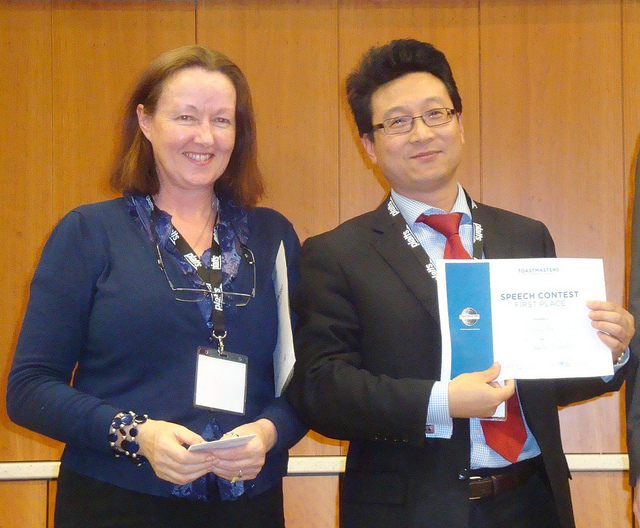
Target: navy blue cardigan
pixel 99 301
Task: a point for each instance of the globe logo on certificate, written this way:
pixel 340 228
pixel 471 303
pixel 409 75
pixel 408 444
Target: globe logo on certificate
pixel 469 317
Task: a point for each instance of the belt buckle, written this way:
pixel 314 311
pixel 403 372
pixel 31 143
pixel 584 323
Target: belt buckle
pixel 478 479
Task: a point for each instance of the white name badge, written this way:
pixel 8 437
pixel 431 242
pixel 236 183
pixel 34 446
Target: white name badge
pixel 221 381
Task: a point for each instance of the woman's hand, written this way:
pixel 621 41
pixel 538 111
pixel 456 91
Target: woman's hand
pixel 245 462
pixel 162 444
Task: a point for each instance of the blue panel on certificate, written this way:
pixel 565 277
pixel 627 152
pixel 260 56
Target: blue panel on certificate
pixel 469 300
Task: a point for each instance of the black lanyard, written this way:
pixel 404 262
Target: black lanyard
pixel 211 277
pixel 416 247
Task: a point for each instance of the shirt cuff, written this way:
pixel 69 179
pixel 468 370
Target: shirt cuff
pixel 623 360
pixel 439 422
pixel 618 366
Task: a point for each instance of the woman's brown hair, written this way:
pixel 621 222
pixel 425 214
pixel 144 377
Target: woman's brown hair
pixel 135 171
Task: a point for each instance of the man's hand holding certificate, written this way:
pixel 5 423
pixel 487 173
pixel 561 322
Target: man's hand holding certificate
pixel 530 315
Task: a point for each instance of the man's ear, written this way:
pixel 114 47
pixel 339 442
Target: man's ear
pixel 461 127
pixel 143 121
pixel 367 141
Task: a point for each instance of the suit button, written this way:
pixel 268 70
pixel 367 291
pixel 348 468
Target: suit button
pixel 463 474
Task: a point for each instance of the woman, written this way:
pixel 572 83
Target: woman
pixel 120 310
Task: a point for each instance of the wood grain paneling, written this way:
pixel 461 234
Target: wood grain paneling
pixel 601 500
pixel 72 65
pixel 551 95
pixel 630 103
pixel 23 504
pixel 293 90
pixel 99 51
pixel 552 148
pixel 52 490
pixel 631 100
pixel 288 52
pixel 311 502
pixel 631 82
pixel 451 26
pixel 552 122
pixel 26 181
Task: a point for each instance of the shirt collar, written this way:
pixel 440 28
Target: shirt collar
pixel 411 209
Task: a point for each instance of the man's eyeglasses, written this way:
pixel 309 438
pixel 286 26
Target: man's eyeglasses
pixel 404 124
pixel 199 294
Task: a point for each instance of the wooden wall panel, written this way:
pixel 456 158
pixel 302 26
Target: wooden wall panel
pixel 631 97
pixel 552 123
pixel 294 98
pixel 631 82
pixel 452 26
pixel 631 102
pixel 51 503
pixel 600 501
pixel 288 51
pixel 25 172
pixel 26 182
pixel 25 214
pixel 74 68
pixel 552 149
pixel 99 50
pixel 23 504
pixel 311 502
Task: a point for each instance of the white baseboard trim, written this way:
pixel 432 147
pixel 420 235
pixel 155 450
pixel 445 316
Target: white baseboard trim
pixel 313 465
pixel 598 462
pixel 29 470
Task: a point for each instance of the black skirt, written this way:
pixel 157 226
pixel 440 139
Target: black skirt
pixel 83 502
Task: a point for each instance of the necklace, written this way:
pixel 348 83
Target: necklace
pixel 204 228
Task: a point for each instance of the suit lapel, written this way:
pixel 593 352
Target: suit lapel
pixel 387 240
pixel 495 244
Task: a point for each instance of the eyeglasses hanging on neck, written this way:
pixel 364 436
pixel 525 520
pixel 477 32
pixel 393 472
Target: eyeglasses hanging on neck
pixel 199 294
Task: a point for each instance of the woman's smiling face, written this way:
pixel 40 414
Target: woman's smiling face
pixel 193 129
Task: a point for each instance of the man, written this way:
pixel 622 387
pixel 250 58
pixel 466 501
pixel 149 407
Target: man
pixel 368 340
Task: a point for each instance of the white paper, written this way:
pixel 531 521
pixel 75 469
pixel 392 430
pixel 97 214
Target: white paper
pixel 283 355
pixel 538 316
pixel 223 443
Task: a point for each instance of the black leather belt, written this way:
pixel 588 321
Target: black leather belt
pixel 481 487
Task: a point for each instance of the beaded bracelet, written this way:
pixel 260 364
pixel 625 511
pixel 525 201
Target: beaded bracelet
pixel 125 443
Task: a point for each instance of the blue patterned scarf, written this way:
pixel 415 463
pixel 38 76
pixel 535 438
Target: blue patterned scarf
pixel 232 231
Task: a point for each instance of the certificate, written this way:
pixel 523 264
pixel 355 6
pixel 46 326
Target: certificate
pixel 283 356
pixel 528 314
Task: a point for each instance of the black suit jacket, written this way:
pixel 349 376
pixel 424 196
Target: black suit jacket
pixel 368 352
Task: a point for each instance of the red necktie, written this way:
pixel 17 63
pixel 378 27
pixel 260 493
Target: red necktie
pixel 447 224
pixel 505 437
